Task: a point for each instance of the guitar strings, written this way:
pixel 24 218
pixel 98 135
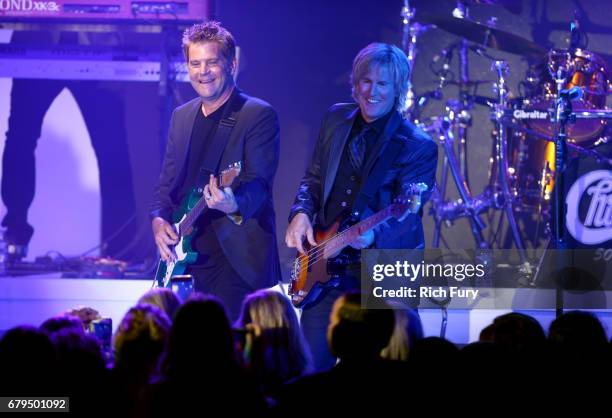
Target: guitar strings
pixel 315 254
pixel 237 166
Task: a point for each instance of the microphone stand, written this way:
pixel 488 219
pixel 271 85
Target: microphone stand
pixel 563 116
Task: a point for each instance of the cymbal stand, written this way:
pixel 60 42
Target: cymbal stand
pixel 462 10
pixel 447 211
pixel 455 155
pixel 466 119
pixel 410 35
pixel 501 157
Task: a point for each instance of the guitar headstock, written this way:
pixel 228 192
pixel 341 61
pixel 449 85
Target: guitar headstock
pixel 409 201
pixel 227 176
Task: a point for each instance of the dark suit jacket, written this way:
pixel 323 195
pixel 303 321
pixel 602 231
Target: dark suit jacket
pixel 251 246
pixel 415 163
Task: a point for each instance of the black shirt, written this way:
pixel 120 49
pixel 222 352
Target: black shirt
pixel 348 181
pixel 197 172
pixel 198 168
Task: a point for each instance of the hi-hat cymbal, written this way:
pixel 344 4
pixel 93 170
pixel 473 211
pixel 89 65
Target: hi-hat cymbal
pixel 484 35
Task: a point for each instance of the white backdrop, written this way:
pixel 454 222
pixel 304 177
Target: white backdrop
pixel 65 212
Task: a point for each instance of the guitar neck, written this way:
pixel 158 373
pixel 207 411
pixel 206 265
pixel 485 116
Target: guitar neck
pixel 349 235
pixel 226 178
pixel 191 216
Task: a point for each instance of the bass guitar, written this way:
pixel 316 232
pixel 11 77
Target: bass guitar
pixel 324 262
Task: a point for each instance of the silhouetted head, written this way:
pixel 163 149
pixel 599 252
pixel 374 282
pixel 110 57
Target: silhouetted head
pixel 61 322
pixel 518 332
pixel 357 333
pixel 578 330
pixel 28 362
pixel 201 338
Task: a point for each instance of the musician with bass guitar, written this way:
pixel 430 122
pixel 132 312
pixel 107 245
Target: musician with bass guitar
pixel 223 233
pixel 366 156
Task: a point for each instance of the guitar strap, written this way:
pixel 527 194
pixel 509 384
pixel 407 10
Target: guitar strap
pixel 375 178
pixel 229 118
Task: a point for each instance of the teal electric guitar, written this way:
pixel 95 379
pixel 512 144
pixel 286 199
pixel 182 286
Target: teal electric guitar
pixel 193 206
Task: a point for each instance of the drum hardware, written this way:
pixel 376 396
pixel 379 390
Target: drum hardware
pixel 465 119
pixel 594 114
pixel 500 180
pixel 460 108
pixel 479 100
pixel 444 76
pixel 411 32
pixel 498 194
pixel 523 166
pixel 455 158
pixel 466 206
pixel 563 117
pixel 579 68
pixel 484 35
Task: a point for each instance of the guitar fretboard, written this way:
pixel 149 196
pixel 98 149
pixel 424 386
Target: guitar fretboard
pixel 226 177
pixel 192 216
pixel 349 235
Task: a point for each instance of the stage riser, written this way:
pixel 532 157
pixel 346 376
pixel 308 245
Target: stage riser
pixel 30 300
pixel 33 299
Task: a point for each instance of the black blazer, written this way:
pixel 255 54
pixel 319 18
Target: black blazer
pixel 416 162
pixel 251 246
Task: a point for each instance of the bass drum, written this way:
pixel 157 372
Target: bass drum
pixel 587 193
pixel 531 160
pixel 581 69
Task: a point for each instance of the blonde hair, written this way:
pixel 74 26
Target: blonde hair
pixel 380 54
pixel 407 330
pixel 142 323
pixel 285 353
pixel 163 298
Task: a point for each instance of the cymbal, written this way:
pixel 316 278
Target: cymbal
pixel 484 35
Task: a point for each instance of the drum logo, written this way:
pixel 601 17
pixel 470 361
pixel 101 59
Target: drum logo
pixel 532 114
pixel 592 191
pixel 28 6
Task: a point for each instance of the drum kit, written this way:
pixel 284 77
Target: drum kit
pixel 562 107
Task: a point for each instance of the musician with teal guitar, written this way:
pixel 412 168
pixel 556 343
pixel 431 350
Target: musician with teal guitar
pixel 220 228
